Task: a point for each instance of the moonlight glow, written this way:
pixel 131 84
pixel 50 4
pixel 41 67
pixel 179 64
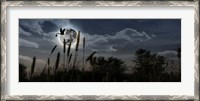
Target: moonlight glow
pixel 99 50
pixel 69 36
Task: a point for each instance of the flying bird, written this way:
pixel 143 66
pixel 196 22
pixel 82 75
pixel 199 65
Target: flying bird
pixel 62 31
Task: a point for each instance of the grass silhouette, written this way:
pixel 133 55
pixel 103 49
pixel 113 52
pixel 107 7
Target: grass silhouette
pixel 147 67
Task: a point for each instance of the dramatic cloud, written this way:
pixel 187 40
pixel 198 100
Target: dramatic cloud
pixel 22 32
pixel 62 22
pixel 109 37
pixel 25 58
pixel 31 26
pixel 168 53
pixel 26 43
pixel 130 35
pixel 110 43
pixel 106 48
pixel 111 49
pixel 43 29
pixel 48 26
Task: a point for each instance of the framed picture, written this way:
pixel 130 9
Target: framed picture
pixel 100 50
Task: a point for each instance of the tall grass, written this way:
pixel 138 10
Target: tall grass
pixel 48 60
pixel 57 62
pixel 93 73
pixel 68 53
pixel 90 57
pixel 56 66
pixel 53 50
pixel 70 57
pixel 64 49
pixel 83 53
pixel 76 49
pixel 33 66
pixel 75 55
pixel 48 69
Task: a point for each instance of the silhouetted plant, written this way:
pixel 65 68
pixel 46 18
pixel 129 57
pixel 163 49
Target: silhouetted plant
pixel 53 50
pixel 83 54
pixel 75 54
pixel 76 49
pixel 108 68
pixel 33 66
pixel 49 58
pixel 70 57
pixel 90 57
pixel 57 61
pixel 22 73
pixel 149 66
pixel 48 62
pixel 64 49
pixel 68 54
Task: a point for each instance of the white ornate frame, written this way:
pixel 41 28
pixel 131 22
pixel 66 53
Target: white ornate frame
pixel 5 4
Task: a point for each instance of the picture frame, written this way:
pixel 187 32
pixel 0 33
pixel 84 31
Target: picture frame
pixel 4 49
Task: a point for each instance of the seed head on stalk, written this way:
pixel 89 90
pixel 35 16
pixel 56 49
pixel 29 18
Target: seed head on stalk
pixel 33 66
pixel 53 50
pixel 68 50
pixel 83 53
pixel 57 61
pixel 78 39
pixel 91 56
pixel 64 46
pixel 64 49
pixel 70 57
pixel 76 49
pixel 48 60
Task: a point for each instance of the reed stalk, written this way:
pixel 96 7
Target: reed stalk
pixel 48 60
pixel 76 54
pixel 83 53
pixel 70 57
pixel 57 61
pixel 64 49
pixel 76 49
pixel 90 56
pixel 33 66
pixel 68 53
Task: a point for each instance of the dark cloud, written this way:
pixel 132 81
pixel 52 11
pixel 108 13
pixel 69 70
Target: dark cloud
pixel 110 26
pixel 110 37
pixel 31 26
pixel 22 32
pixel 48 26
pixel 26 43
pixel 118 42
pixel 28 29
pixel 102 26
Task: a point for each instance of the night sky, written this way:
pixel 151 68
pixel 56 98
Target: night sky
pixel 109 37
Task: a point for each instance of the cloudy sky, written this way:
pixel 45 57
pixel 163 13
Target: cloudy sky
pixel 109 37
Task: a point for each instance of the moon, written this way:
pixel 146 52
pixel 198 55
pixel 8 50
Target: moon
pixel 69 36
